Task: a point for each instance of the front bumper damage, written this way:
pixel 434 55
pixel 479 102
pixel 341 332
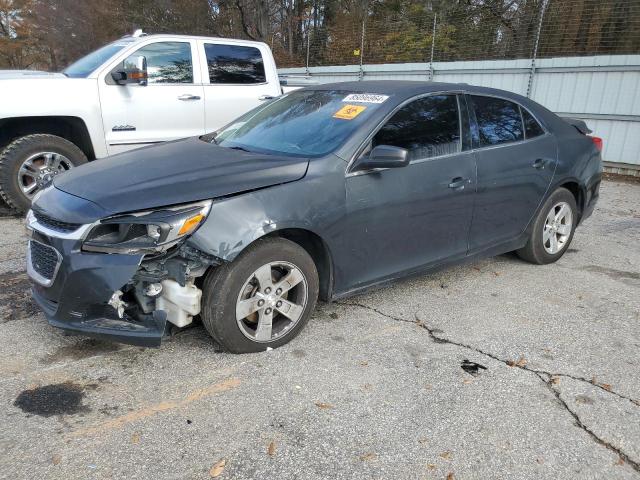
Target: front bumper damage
pixel 132 299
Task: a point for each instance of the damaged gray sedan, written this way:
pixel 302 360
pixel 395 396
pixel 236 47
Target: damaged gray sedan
pixel 320 193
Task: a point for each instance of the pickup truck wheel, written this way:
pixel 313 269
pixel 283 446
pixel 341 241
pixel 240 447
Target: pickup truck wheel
pixel 553 229
pixel 29 164
pixel 262 299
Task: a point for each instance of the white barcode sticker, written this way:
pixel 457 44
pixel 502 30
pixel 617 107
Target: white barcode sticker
pixel 365 98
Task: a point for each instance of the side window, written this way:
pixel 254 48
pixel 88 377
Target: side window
pixel 167 62
pixel 234 64
pixel 532 128
pixel 427 127
pixel 498 120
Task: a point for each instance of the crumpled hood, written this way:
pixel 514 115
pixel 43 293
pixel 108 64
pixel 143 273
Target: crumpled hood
pixel 176 172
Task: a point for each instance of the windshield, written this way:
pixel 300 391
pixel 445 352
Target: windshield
pixel 303 123
pixel 87 64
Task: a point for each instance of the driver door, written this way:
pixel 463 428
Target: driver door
pixel 403 219
pixel 169 107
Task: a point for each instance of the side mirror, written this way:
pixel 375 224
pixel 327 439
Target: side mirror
pixel 134 71
pixel 384 156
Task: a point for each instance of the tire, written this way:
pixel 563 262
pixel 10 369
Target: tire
pixel 245 278
pixel 26 149
pixel 540 246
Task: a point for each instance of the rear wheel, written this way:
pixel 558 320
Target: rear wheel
pixel 262 299
pixel 29 164
pixel 553 229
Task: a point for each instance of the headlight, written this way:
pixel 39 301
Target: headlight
pixel 146 232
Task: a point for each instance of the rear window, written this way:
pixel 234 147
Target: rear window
pixel 532 128
pixel 499 120
pixel 234 64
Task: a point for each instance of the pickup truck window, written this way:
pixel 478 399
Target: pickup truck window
pixel 306 123
pixel 234 64
pixel 167 62
pixel 87 64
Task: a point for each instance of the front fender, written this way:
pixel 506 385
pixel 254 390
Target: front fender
pixel 55 97
pixel 237 222
pixel 314 203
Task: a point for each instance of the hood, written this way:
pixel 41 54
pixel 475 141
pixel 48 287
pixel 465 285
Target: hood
pixel 22 74
pixel 176 172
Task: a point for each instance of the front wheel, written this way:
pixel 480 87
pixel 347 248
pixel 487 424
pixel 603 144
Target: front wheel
pixel 553 229
pixel 29 164
pixel 262 299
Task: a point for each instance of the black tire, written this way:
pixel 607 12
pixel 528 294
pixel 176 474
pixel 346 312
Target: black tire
pixel 534 251
pixel 222 286
pixel 13 156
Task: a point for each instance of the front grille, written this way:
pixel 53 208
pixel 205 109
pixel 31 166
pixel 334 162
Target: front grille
pixel 44 259
pixel 53 224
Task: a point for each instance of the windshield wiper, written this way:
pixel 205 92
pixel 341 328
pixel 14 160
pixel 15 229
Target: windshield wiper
pixel 240 148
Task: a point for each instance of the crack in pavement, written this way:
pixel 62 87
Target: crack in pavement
pixel 538 373
pixel 580 424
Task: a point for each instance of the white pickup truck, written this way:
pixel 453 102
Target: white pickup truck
pixel 136 91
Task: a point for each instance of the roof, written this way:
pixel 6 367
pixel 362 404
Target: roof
pixel 402 89
pixel 146 36
pixel 390 87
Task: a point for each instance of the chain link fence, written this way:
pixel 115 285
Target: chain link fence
pixel 532 29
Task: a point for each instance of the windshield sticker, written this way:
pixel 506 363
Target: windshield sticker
pixel 365 98
pixel 349 112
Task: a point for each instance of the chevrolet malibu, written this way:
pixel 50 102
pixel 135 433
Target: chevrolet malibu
pixel 321 193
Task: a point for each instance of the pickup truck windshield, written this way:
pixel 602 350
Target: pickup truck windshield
pixel 87 64
pixel 305 123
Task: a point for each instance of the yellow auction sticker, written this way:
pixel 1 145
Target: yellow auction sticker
pixel 349 112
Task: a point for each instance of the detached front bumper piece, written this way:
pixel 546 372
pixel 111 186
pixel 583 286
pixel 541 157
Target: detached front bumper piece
pixel 73 288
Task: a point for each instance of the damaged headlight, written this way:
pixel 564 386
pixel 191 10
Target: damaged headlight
pixel 150 231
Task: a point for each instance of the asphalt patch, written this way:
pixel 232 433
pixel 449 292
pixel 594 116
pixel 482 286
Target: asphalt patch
pixel 15 297
pixel 630 278
pixel 49 400
pixel 472 368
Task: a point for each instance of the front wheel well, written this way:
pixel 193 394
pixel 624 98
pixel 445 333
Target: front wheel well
pixel 319 252
pixel 72 129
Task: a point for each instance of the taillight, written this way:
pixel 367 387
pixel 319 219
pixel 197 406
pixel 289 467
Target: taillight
pixel 597 141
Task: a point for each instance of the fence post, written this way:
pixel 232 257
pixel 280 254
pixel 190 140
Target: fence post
pixel 532 72
pixel 361 71
pixel 308 42
pixel 433 45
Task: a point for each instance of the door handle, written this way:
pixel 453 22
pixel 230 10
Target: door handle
pixel 188 96
pixel 262 98
pixel 458 183
pixel 539 163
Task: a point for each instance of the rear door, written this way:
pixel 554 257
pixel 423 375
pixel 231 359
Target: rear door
pixel 170 106
pixel 516 161
pixel 236 78
pixel 402 219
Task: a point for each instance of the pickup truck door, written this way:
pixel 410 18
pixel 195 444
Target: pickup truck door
pixel 171 106
pixel 236 76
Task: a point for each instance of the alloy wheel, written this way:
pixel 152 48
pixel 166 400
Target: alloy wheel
pixel 557 228
pixel 37 171
pixel 271 302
